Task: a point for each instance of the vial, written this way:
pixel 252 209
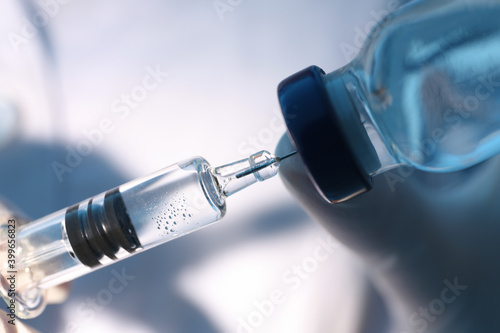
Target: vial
pixel 424 91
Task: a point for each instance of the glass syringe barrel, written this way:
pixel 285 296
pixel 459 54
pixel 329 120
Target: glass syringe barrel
pixel 123 221
pixel 131 218
pixel 118 223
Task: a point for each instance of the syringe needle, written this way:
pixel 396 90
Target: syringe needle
pixel 279 159
pixel 264 165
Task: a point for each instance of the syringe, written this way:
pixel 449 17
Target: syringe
pixel 121 222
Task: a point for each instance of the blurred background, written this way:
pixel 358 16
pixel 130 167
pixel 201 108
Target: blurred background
pixel 173 79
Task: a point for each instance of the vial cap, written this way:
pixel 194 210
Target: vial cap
pixel 316 129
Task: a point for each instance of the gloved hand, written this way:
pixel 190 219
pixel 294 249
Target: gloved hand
pixel 430 241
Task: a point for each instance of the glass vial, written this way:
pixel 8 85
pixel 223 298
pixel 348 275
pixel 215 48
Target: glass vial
pixel 424 91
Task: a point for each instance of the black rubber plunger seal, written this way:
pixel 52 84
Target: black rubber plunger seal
pixel 76 236
pixel 117 223
pixel 99 231
pixel 317 130
pixel 95 233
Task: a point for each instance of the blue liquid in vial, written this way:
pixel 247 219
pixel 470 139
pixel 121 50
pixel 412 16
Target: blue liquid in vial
pixel 433 84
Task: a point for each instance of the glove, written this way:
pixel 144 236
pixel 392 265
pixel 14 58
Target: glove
pixel 429 241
